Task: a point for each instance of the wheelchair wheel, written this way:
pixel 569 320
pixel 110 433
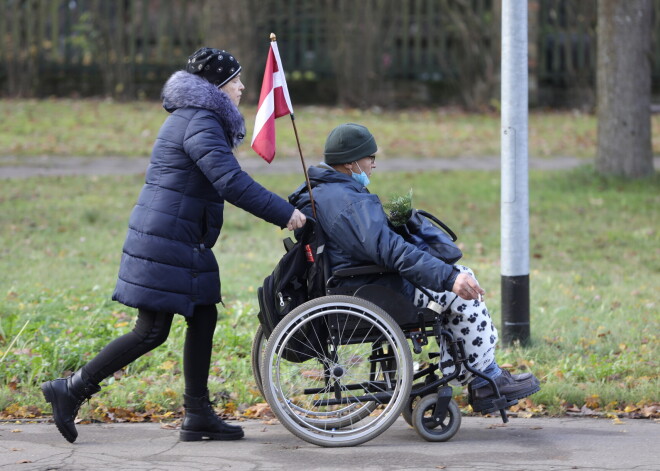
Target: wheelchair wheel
pixel 430 429
pixel 336 371
pixel 257 353
pixel 350 415
pixel 407 411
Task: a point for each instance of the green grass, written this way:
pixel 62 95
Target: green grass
pixel 103 127
pixel 595 274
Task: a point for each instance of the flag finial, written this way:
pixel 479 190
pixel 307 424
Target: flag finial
pixel 273 37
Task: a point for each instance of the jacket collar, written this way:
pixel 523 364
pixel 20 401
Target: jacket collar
pixel 318 175
pixel 186 90
pixel 323 173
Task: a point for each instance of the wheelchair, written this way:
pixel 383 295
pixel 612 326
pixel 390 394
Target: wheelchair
pixel 337 370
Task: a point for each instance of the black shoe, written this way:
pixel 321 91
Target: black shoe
pixel 66 395
pixel 511 387
pixel 201 422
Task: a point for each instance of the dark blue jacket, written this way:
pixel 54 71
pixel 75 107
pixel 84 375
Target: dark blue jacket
pixel 358 233
pixel 167 262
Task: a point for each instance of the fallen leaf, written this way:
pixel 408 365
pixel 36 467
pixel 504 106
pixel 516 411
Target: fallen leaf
pixel 261 410
pixel 167 365
pixel 593 401
pixel 492 426
pixel 586 411
pixel 650 411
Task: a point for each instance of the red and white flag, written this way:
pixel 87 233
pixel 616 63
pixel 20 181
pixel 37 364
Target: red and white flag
pixel 274 102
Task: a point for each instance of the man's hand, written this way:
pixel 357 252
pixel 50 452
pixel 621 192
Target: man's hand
pixel 467 287
pixel 297 220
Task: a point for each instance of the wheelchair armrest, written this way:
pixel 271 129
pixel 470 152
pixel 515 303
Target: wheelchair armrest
pixel 363 270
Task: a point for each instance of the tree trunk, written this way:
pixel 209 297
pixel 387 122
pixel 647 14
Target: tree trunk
pixel 624 88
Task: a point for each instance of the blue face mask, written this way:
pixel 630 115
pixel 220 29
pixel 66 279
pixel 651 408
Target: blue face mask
pixel 361 177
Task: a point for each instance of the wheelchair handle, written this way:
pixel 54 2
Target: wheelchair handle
pixel 438 222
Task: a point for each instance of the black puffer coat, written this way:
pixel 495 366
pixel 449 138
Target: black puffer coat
pixel 167 263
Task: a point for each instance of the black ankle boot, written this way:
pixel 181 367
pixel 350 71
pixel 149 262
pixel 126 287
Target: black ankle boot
pixel 201 421
pixel 512 387
pixel 66 395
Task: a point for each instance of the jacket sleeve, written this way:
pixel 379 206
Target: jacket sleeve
pixel 206 144
pixel 362 231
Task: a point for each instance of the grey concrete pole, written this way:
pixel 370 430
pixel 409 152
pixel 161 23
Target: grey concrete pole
pixel 515 191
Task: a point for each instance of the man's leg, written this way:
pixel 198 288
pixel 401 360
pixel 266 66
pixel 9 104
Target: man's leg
pixel 471 322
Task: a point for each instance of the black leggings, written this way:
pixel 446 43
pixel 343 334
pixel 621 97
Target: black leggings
pixel 150 331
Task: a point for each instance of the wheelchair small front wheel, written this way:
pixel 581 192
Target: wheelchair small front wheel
pixel 434 430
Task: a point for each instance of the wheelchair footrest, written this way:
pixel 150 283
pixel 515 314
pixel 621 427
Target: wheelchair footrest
pixel 498 404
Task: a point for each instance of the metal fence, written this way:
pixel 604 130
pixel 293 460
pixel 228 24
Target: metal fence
pixel 355 52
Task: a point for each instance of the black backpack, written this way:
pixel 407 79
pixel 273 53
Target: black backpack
pixel 298 277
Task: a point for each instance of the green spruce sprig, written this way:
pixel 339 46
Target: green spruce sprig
pixel 399 208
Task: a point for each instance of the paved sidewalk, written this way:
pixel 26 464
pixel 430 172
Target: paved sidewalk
pixel 25 167
pixel 482 443
pixel 51 166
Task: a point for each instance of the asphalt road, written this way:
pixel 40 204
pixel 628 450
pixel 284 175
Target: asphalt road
pixel 482 443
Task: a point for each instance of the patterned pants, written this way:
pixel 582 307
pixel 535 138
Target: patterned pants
pixel 467 320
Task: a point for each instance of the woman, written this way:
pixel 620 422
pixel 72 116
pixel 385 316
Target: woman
pixel 167 265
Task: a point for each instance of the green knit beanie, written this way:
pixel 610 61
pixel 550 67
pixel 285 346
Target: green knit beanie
pixel 347 143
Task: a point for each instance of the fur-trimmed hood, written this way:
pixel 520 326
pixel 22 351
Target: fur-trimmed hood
pixel 183 90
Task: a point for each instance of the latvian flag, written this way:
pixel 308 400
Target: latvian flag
pixel 274 102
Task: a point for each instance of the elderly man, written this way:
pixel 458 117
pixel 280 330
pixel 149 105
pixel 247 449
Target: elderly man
pixel 358 233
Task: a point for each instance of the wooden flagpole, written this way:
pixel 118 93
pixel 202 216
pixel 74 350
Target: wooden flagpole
pixel 302 160
pixel 273 38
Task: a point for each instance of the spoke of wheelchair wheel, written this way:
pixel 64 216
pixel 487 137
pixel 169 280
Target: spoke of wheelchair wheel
pixel 319 342
pixel 349 393
pixel 366 355
pixel 340 331
pixel 327 325
pixel 308 343
pixel 311 344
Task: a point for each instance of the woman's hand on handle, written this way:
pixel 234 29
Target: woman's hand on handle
pixel 297 220
pixel 467 287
